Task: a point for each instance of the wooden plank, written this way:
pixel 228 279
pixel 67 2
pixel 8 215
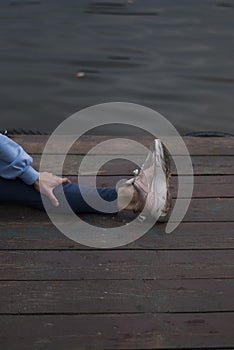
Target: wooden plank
pixel 211 209
pixel 204 186
pixel 133 331
pixel 194 236
pixel 203 165
pixel 196 145
pixel 111 296
pixel 116 264
pixel 209 186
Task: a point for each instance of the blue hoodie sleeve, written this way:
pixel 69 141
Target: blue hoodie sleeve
pixel 15 162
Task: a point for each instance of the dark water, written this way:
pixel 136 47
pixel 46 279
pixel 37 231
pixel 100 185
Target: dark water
pixel 174 56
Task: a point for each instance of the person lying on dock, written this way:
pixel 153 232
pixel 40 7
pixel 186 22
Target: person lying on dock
pixel 21 184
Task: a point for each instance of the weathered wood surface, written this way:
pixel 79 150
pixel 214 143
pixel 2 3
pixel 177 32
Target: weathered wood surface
pixel 116 296
pixel 196 145
pixel 203 165
pixel 118 331
pixel 205 186
pixel 116 264
pixel 194 235
pixel 205 209
pixel 162 291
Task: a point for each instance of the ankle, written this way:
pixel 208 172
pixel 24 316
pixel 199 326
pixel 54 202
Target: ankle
pixel 127 198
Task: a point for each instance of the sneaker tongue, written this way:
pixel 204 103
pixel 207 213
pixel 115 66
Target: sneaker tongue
pixel 130 181
pixel 141 182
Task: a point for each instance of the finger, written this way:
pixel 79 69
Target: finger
pixel 65 179
pixel 62 180
pixel 59 180
pixel 53 199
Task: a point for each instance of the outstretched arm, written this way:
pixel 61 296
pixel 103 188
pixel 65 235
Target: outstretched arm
pixel 16 163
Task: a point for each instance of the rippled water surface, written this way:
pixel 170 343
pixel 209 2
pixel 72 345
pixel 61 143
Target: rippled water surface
pixel 175 56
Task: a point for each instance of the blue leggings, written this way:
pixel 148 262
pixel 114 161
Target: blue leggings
pixel 17 192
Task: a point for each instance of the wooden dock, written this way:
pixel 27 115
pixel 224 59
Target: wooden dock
pixel 160 292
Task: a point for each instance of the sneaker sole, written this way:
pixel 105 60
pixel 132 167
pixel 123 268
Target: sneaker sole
pixel 161 182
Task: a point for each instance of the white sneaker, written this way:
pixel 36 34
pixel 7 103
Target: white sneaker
pixel 152 183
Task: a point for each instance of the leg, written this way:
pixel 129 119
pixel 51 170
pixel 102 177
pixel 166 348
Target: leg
pixel 17 192
pixel 77 203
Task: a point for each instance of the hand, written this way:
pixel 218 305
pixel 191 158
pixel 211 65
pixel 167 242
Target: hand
pixel 46 183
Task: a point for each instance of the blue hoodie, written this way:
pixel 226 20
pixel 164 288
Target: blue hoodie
pixel 15 162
